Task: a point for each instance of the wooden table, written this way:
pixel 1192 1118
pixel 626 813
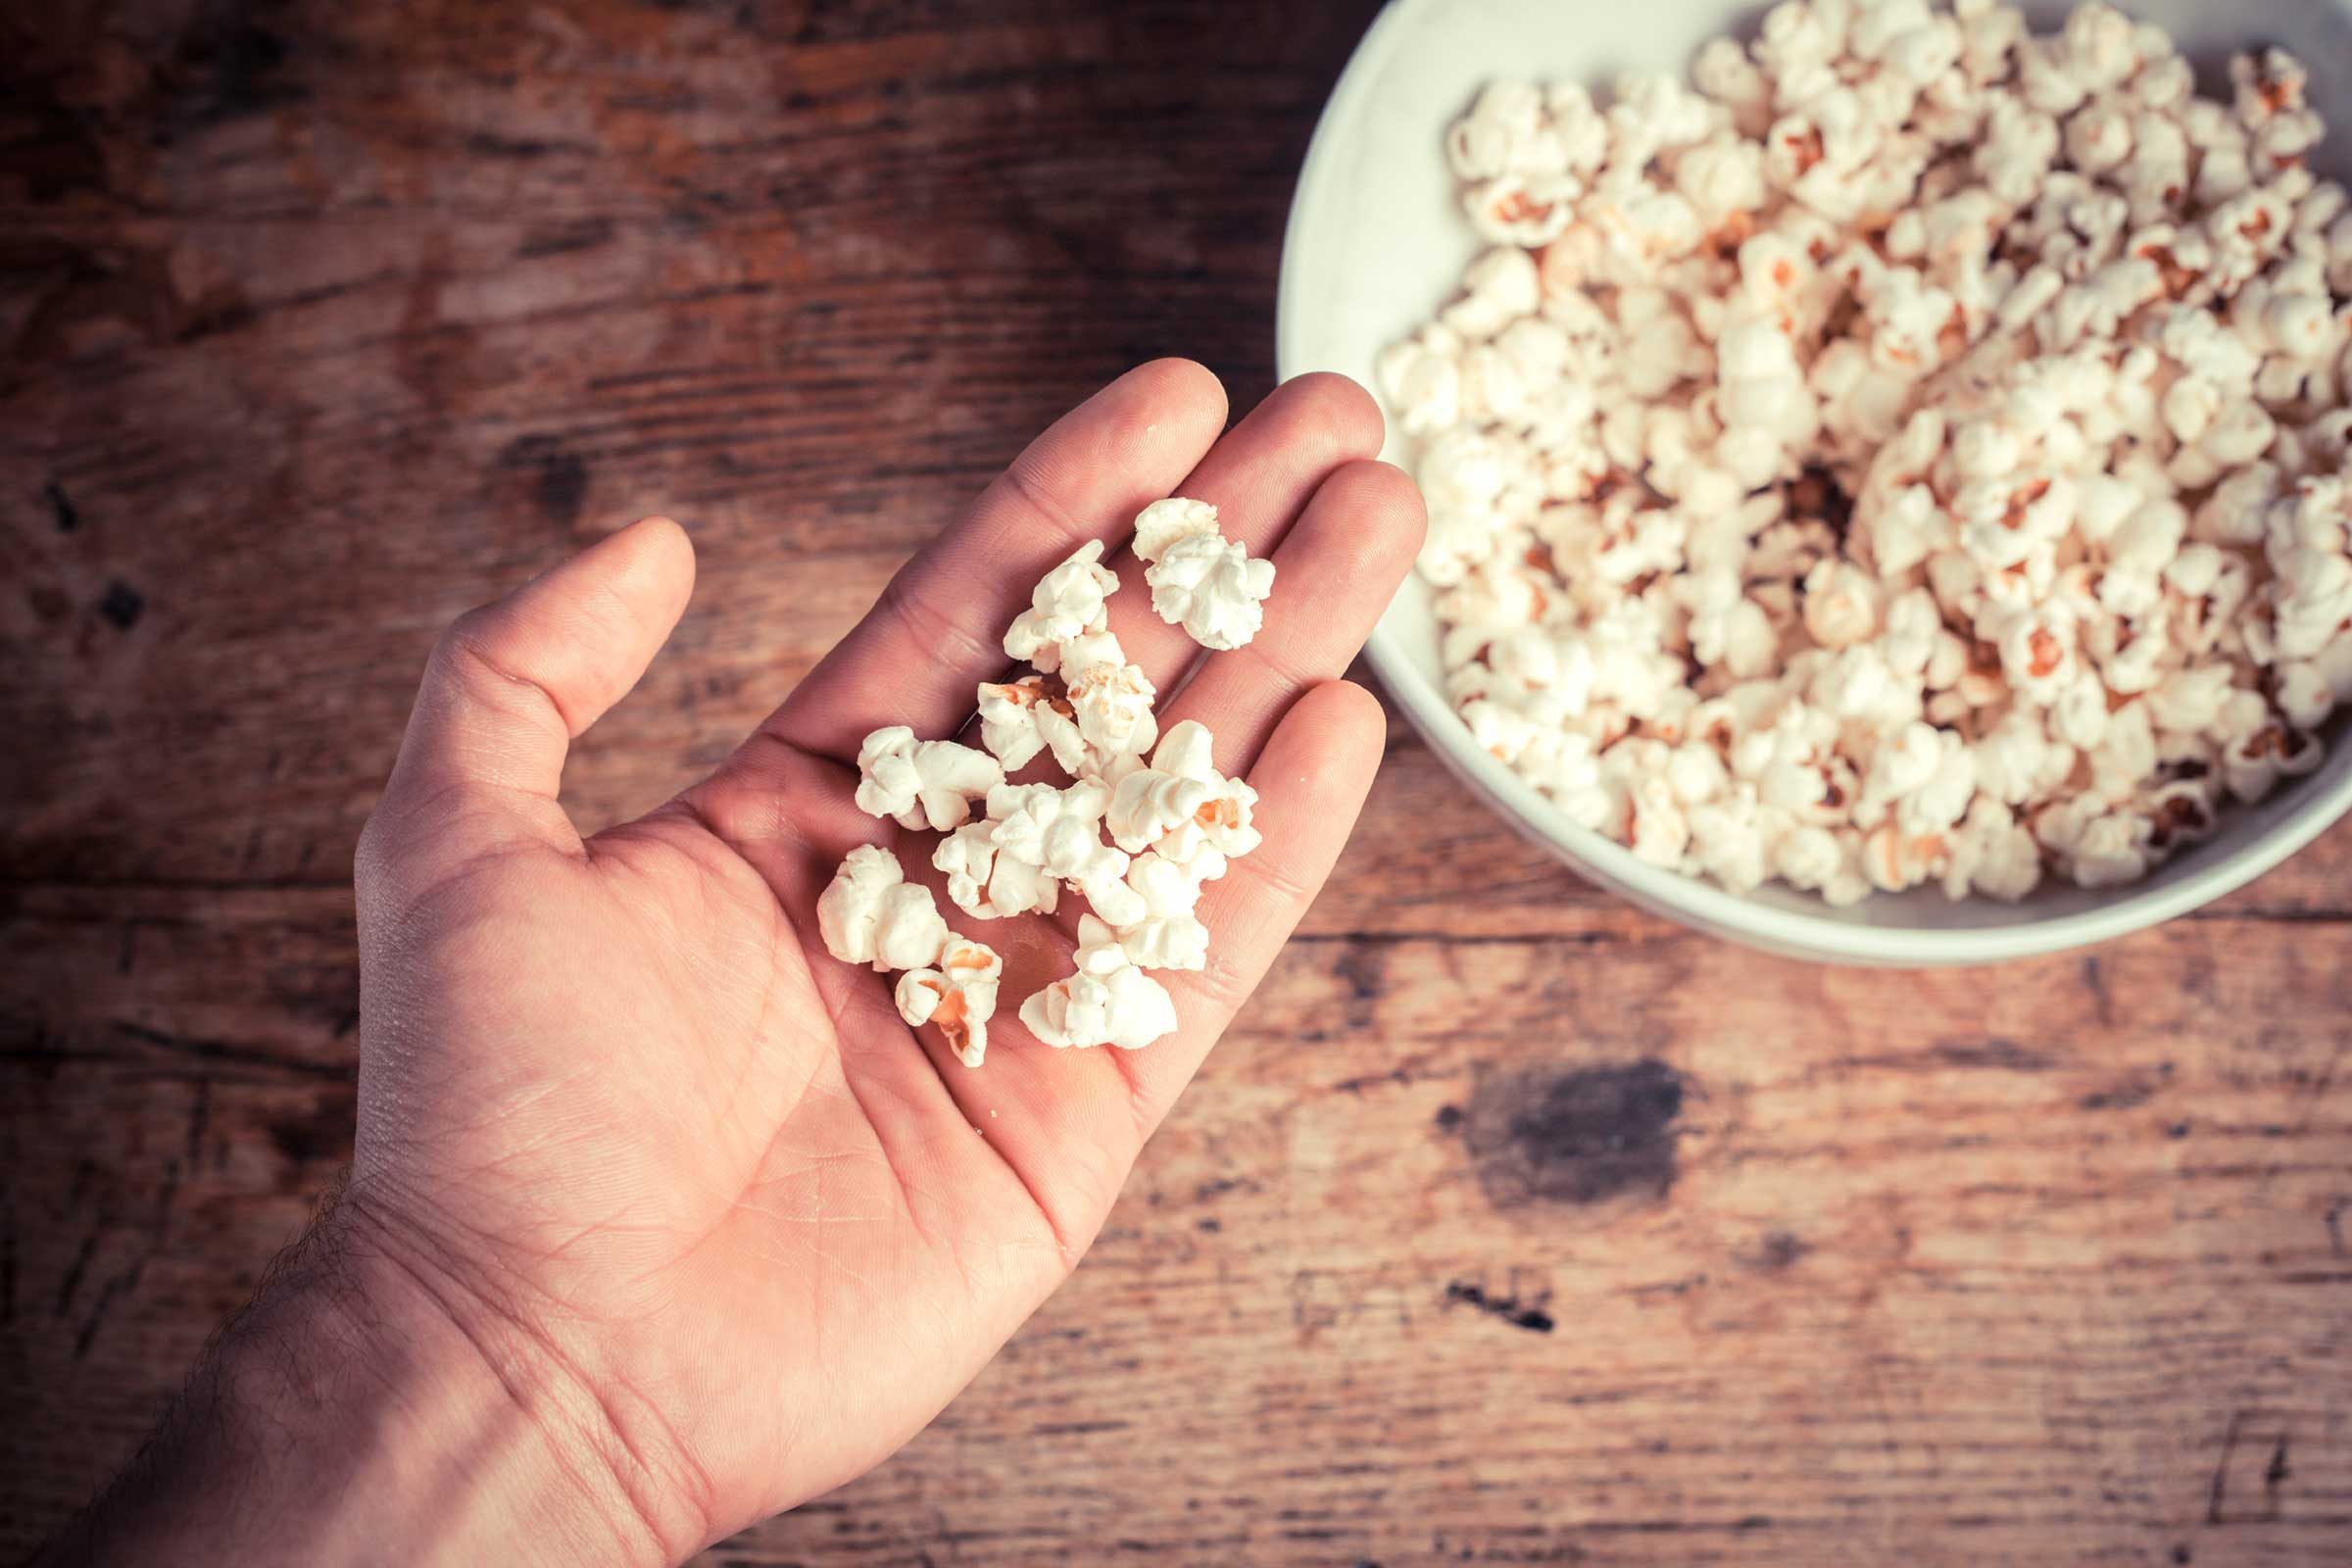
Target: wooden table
pixel 1509 1226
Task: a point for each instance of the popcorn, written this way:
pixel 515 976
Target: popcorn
pixel 1504 131
pixel 870 914
pixel 1022 718
pixel 1162 932
pixel 1914 456
pixel 958 996
pixel 1057 831
pixel 1067 603
pixel 1163 522
pixel 1110 701
pixel 2306 696
pixel 989 886
pixel 1107 1001
pixel 1177 818
pixel 1210 586
pixel 1181 806
pixel 922 784
pixel 1841 603
pixel 2255 764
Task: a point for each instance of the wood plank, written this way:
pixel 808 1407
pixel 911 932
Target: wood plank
pixel 373 318
pixel 1528 1247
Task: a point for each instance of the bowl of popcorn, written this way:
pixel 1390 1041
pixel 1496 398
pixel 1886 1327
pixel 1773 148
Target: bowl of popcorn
pixel 1886 461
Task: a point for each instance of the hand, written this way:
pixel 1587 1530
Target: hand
pixel 728 1230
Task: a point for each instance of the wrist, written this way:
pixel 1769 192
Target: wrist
pixel 366 1407
pixel 494 1409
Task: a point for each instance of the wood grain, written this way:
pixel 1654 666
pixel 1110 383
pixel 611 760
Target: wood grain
pixel 1510 1225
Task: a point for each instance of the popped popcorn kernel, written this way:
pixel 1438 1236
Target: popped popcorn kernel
pixel 1068 602
pixel 957 996
pixel 870 914
pixel 922 784
pixel 1211 587
pixel 1109 1000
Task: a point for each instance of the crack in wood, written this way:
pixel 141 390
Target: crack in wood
pixel 1509 1309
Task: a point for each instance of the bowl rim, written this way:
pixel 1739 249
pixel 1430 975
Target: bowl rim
pixel 1691 900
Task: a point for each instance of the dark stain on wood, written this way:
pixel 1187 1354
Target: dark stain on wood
pixel 1778 1251
pixel 319 1136
pixel 1582 1135
pixel 230 67
pixel 559 475
pixel 123 604
pixel 562 486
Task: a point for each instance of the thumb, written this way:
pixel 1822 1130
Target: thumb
pixel 511 684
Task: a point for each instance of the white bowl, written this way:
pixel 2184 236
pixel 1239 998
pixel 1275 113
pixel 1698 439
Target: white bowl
pixel 1375 244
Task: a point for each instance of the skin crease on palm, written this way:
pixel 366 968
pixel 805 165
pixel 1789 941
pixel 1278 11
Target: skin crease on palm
pixel 615 1095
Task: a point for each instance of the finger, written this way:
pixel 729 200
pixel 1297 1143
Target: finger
pixel 1311 779
pixel 511 684
pixel 936 631
pixel 1334 574
pixel 1261 477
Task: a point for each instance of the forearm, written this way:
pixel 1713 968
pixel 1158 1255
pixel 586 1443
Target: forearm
pixel 351 1415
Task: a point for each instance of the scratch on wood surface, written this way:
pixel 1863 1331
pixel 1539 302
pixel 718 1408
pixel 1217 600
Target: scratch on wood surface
pixel 2221 1469
pixel 231 1054
pixel 71 1284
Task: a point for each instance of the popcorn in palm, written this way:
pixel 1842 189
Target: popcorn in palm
pixel 1020 718
pixel 1180 805
pixel 1201 580
pixel 989 886
pixel 958 996
pixel 1067 603
pixel 1107 1001
pixel 1163 522
pixel 1112 705
pixel 870 914
pixel 1210 587
pixel 922 784
pixel 1934 425
pixel 1059 831
pixel 1159 929
pixel 1091 708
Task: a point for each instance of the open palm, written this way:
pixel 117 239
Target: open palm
pixel 616 1091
